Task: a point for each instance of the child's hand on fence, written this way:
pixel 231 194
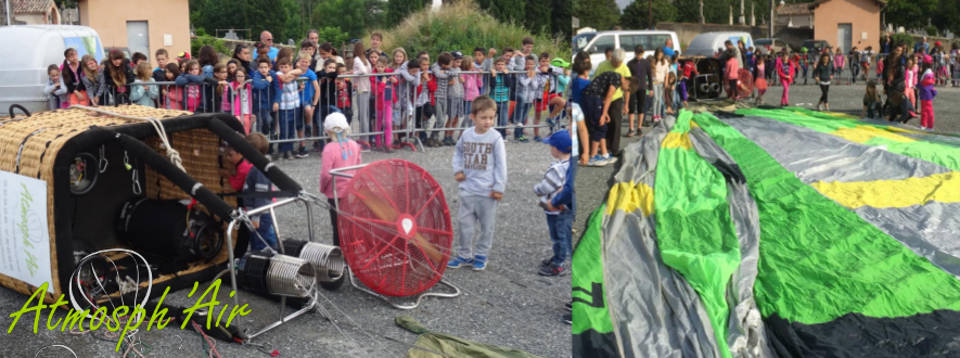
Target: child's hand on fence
pixel 276 107
pixel 269 79
pixel 459 177
pixel 531 73
pixel 496 195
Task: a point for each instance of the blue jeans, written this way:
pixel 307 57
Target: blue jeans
pixel 466 122
pixel 520 112
pixel 266 231
pixel 288 122
pixel 561 234
pixel 503 115
pixel 265 121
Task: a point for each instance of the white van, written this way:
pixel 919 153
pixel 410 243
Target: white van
pixel 29 50
pixel 707 43
pixel 595 43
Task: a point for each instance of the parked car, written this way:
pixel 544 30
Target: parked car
pixel 814 46
pixel 24 75
pixel 706 44
pixel 595 43
pixel 769 45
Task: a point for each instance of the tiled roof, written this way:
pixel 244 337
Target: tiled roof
pixel 813 5
pixel 32 6
pixel 795 9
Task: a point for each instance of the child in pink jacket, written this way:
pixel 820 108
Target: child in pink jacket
pixel 339 152
pixel 239 101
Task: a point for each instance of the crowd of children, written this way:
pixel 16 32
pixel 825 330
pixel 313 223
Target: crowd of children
pixel 284 93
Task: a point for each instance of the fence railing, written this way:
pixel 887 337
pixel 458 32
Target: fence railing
pixel 381 107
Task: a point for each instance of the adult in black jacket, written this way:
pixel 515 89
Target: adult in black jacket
pixel 641 80
pixel 243 54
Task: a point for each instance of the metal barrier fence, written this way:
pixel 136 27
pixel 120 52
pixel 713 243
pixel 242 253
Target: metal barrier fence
pixel 390 105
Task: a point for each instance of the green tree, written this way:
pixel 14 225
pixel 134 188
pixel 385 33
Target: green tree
pixel 537 16
pixel 351 17
pixel 947 16
pixel 333 35
pixel 397 10
pixel 560 19
pixel 636 14
pixel 282 18
pixel 910 14
pixel 598 14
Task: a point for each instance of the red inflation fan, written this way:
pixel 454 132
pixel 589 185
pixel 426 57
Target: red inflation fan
pixel 394 226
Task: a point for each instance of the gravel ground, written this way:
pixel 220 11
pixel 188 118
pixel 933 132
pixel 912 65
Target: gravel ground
pixel 507 305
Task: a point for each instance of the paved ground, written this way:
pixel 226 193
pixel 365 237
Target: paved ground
pixel 507 305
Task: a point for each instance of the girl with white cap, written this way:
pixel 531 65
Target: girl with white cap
pixel 339 152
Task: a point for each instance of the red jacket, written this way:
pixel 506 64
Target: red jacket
pixel 431 88
pixel 790 70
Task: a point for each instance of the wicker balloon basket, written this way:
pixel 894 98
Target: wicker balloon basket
pixel 46 146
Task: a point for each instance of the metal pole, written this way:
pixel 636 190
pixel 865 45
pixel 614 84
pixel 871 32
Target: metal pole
pixel 8 12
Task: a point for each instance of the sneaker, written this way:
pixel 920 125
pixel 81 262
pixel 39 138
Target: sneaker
pixel 479 263
pixel 608 159
pixel 546 261
pixel 596 161
pixel 286 155
pixel 303 153
pixel 537 139
pixel 568 318
pixel 552 270
pixel 521 139
pixel 458 261
pixel 568 306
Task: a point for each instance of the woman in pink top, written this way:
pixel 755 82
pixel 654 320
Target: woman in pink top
pixel 339 152
pixel 471 88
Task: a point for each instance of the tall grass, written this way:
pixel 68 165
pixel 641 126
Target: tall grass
pixel 463 26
